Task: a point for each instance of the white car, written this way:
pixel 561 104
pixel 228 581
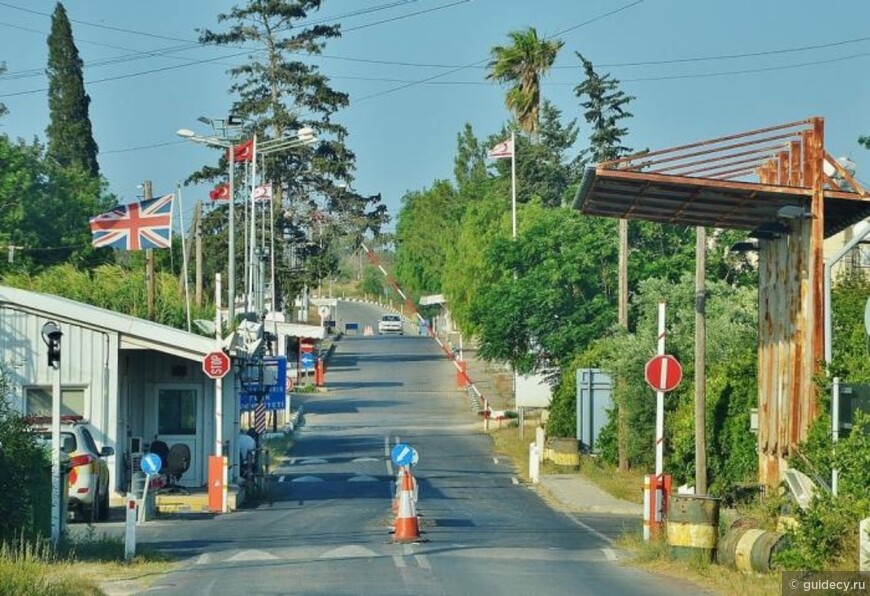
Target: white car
pixel 390 324
pixel 88 478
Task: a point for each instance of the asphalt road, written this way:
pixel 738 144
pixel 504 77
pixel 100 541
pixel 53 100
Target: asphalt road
pixel 327 531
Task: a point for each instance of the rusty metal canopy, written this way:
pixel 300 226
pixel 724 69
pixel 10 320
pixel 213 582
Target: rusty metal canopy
pixel 705 202
pixel 666 185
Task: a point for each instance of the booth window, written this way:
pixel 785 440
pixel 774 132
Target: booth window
pixel 176 412
pixel 38 401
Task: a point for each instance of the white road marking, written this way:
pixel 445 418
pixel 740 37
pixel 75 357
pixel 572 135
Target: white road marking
pixel 590 529
pixel 514 480
pixel 349 552
pixel 609 554
pixel 281 478
pixel 362 479
pixel 423 562
pixel 386 446
pixel 495 460
pixel 202 559
pixel 252 555
pixel 313 460
pixel 307 479
pixel 399 561
pixel 364 459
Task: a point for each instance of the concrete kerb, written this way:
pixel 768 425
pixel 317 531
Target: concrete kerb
pixel 576 494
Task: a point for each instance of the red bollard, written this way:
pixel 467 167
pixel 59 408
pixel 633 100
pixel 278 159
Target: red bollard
pixel 319 373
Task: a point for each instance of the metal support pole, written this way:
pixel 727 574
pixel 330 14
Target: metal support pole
pixel 56 487
pixel 700 361
pixel 835 431
pixel 231 263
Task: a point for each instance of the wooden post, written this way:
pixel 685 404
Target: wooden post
pixel 622 411
pixel 700 361
pixel 149 258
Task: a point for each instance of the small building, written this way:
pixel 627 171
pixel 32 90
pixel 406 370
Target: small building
pixel 134 381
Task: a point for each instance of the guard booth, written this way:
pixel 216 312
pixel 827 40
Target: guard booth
pixel 779 184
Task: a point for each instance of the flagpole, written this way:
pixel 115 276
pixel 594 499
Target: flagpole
pixel 183 254
pixel 514 184
pixel 252 260
pixel 245 227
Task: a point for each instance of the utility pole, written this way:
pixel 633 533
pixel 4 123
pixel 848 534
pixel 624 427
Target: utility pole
pixel 149 257
pixel 622 411
pixel 700 361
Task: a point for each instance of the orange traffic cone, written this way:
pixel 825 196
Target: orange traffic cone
pixel 406 521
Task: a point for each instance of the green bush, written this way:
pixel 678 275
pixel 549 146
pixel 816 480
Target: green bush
pixel 25 484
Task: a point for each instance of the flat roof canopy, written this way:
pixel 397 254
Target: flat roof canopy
pixel 706 183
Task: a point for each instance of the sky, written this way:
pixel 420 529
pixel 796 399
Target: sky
pixel 415 74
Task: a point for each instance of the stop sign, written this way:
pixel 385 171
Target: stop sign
pixel 216 364
pixel 663 372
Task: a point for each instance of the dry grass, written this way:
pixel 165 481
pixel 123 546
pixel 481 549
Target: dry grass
pixel 654 557
pixel 507 443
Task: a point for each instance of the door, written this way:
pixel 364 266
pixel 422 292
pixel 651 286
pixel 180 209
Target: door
pixel 179 420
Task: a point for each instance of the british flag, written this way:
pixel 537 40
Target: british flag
pixel 137 226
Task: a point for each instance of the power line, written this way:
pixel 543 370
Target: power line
pixel 478 62
pixel 141 147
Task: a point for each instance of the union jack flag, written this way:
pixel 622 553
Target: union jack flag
pixel 137 226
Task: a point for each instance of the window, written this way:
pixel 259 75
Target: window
pixel 176 412
pixel 89 441
pixel 38 401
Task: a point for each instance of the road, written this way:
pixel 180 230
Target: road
pixel 327 531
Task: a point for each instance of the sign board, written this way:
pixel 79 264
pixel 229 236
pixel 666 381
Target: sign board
pixel 402 454
pixel 306 345
pixel 151 463
pixel 274 386
pixel 216 364
pixel 663 372
pixel 307 361
pixel 532 391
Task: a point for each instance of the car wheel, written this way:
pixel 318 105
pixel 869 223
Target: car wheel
pixel 94 512
pixel 104 506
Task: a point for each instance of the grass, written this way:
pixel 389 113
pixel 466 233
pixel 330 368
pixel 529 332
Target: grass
pixel 654 556
pixel 279 448
pixel 627 485
pixel 33 567
pixel 507 443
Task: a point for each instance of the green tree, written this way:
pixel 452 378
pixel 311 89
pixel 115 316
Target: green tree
pixel 277 93
pixel 70 138
pixel 521 65
pixel 604 107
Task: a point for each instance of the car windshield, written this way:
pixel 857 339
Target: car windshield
pixel 390 318
pixel 68 442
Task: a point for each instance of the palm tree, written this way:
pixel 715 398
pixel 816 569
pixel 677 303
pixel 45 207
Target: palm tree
pixel 522 64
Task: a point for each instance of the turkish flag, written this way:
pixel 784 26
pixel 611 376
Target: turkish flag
pixel 221 192
pixel 243 152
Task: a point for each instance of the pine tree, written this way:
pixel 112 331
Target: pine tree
pixel 605 107
pixel 70 138
pixel 279 93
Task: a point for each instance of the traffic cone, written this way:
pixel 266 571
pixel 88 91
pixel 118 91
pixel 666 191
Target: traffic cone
pixel 406 521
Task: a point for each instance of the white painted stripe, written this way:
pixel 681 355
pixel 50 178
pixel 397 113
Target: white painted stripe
pixel 364 459
pixel 590 529
pixel 307 479
pixel 609 554
pixel 384 271
pixel 423 562
pixel 252 555
pixel 390 467
pixel 202 559
pixel 399 561
pixel 514 480
pixel 362 478
pixel 386 446
pixel 407 549
pixel 495 460
pixel 281 478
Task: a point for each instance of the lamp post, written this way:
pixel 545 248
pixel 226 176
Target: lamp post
pixel 225 143
pixel 51 335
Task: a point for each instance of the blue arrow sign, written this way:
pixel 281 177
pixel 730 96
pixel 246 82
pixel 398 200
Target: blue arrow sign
pixel 307 361
pixel 402 454
pixel 151 463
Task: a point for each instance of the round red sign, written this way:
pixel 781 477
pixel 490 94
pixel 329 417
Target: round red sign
pixel 663 372
pixel 216 364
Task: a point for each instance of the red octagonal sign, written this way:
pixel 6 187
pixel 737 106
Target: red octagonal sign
pixel 663 372
pixel 216 364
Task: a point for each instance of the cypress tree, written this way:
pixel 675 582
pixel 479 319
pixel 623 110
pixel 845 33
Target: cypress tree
pixel 70 138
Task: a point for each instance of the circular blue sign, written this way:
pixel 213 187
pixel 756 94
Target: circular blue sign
pixel 151 463
pixel 307 360
pixel 402 454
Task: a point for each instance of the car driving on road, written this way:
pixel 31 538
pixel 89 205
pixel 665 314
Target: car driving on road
pixel 390 324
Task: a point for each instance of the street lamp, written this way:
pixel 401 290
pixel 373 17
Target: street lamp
pixel 51 335
pixel 224 143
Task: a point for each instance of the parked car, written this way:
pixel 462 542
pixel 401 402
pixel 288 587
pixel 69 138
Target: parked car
pixel 390 324
pixel 88 479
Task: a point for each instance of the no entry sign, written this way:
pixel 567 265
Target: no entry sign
pixel 663 372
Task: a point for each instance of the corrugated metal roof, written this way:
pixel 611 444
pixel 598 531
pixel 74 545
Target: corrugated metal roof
pixel 133 332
